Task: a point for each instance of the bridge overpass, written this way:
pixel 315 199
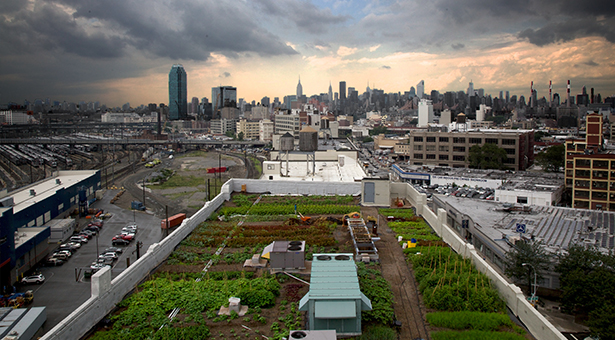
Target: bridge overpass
pixel 126 142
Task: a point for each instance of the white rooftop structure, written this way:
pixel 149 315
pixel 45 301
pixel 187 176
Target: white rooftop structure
pixel 30 195
pixel 328 166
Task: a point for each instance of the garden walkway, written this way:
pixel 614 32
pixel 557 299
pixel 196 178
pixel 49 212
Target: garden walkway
pixel 408 308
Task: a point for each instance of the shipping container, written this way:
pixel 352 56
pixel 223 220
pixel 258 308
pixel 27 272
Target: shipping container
pixel 174 221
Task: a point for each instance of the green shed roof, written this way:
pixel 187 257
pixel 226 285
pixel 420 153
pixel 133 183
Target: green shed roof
pixel 334 277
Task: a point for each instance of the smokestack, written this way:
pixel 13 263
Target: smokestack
pixel 592 99
pixel 568 94
pixel 550 94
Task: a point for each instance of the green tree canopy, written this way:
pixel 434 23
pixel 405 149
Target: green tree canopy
pixel 488 156
pixel 378 130
pixel 587 278
pixel 532 253
pixel 539 134
pixel 497 120
pixel 552 160
pixel 240 136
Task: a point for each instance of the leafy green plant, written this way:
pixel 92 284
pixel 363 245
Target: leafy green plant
pixel 469 320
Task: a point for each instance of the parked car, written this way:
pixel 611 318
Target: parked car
pixel 38 279
pixel 74 244
pixel 105 260
pixel 97 265
pixel 127 236
pixel 118 241
pixel 64 252
pixel 115 250
pixel 88 234
pixel 60 256
pixel 98 223
pixel 79 239
pixel 52 261
pixel 108 254
pixel 128 230
pixel 68 246
pixel 92 228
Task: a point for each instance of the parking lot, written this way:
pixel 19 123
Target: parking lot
pixel 65 287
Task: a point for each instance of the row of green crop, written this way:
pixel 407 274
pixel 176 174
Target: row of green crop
pixel 401 213
pixel 146 311
pixel 417 230
pixel 451 283
pixel 287 209
pixel 378 291
pixel 470 306
pixel 242 200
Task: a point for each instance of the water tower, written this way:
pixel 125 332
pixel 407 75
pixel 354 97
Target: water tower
pixel 308 142
pixel 287 143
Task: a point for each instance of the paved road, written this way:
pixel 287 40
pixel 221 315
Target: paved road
pixel 62 291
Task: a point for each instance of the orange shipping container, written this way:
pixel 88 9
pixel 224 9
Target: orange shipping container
pixel 174 221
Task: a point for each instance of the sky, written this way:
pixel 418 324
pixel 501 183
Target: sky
pixel 118 51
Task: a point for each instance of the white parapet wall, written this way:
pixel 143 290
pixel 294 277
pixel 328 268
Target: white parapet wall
pixel 105 295
pixel 535 322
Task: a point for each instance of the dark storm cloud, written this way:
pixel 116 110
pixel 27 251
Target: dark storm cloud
pixel 563 20
pixel 50 27
pixel 458 46
pixel 305 15
pixel 568 30
pixel 174 29
pixel 591 63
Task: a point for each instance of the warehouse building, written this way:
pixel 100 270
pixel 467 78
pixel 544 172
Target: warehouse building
pixel 24 214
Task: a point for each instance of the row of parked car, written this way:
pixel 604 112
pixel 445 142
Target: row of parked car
pixel 111 254
pixel 66 250
pixel 126 235
pixel 465 192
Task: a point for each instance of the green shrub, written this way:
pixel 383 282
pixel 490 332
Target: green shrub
pixel 378 333
pixel 475 335
pixel 469 320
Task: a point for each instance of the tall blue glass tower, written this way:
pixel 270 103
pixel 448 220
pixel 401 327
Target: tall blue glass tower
pixel 178 93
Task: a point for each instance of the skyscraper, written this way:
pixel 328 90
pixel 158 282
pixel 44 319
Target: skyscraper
pixel 330 92
pixel 420 89
pixel 342 90
pixel 470 89
pixel 178 93
pixel 299 89
pixel 222 96
pixel 194 108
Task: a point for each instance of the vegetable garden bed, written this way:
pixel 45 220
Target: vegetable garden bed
pixel 463 302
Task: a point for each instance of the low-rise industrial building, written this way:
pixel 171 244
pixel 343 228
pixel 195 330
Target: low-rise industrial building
pixel 493 228
pixel 452 148
pixel 24 214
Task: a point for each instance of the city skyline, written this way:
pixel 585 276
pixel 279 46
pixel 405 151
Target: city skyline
pixel 121 52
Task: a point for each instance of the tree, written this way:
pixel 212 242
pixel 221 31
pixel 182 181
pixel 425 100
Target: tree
pixel 489 156
pixel 552 160
pixel 230 133
pixel 367 139
pixel 532 253
pixel 497 120
pixel 539 134
pixel 378 130
pixel 587 277
pixel 240 136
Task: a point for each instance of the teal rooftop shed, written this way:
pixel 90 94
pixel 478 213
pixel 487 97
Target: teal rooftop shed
pixel 335 300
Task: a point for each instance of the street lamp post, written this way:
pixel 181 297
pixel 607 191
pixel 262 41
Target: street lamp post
pixel 535 286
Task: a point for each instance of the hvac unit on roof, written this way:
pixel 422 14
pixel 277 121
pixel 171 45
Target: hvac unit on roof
pixel 313 335
pixel 32 192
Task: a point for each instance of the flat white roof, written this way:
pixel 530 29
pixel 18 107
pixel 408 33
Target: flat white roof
pixel 325 171
pixel 26 234
pixel 47 188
